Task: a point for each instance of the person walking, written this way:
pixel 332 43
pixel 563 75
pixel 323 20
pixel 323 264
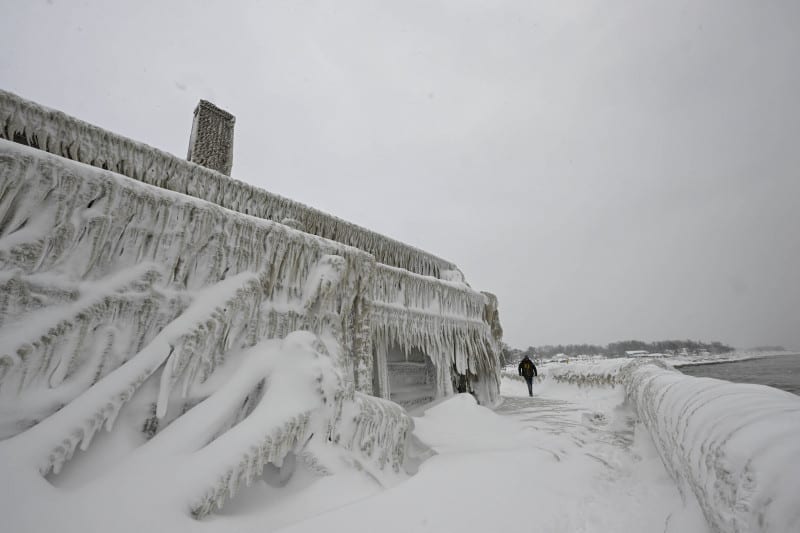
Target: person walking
pixel 528 370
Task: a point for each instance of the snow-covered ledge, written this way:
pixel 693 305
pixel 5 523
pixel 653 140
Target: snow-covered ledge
pixel 29 123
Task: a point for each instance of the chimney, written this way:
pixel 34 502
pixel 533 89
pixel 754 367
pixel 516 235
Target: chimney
pixel 211 142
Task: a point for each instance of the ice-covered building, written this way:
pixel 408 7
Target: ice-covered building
pixel 131 276
pixel 417 330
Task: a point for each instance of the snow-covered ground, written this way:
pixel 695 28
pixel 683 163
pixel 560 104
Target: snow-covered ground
pixel 568 459
pixel 603 446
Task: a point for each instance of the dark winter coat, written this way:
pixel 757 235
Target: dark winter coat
pixel 527 369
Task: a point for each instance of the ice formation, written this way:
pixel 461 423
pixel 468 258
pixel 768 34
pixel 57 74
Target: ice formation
pixel 736 447
pixel 733 447
pixel 238 330
pixel 55 132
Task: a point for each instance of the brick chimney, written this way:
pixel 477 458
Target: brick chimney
pixel 211 142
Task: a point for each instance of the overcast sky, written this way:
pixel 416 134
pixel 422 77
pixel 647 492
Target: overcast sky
pixel 610 169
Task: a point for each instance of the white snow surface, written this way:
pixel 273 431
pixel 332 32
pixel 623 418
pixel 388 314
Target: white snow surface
pixel 659 451
pixel 566 460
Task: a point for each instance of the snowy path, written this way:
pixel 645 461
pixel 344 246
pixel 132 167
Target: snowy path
pixel 567 460
pixel 587 430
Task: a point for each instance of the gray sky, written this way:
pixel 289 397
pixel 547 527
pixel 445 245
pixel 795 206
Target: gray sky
pixel 610 169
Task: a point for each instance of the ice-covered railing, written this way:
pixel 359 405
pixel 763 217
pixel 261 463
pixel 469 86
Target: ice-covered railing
pixel 26 122
pixel 585 373
pixel 735 446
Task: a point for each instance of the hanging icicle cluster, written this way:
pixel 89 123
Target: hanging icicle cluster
pixel 450 342
pixel 396 286
pixel 457 327
pixel 82 341
pixel 28 123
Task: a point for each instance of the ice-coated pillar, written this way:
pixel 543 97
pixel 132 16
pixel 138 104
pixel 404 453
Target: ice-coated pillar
pixel 211 142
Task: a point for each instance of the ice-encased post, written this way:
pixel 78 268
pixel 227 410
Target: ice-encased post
pixel 211 142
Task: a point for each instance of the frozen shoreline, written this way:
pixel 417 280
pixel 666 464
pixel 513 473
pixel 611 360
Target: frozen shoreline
pixel 740 356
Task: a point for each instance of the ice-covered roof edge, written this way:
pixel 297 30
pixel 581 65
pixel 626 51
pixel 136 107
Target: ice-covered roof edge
pixel 29 123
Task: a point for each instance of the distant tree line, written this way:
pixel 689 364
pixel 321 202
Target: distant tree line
pixel 614 349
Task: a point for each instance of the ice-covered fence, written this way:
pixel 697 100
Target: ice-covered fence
pixel 454 344
pixel 735 446
pixel 600 372
pixel 26 122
